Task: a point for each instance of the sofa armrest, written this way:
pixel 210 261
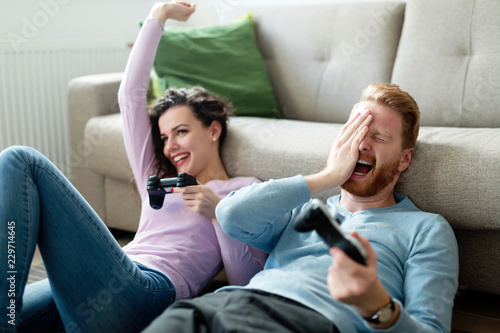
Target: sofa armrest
pixel 89 97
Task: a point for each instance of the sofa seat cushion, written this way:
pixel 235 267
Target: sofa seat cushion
pixel 454 171
pixel 272 148
pixel 448 61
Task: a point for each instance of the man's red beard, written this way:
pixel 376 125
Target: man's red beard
pixel 382 177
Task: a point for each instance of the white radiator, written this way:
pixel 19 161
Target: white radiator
pixel 33 93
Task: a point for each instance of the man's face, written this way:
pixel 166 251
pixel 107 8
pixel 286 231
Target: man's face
pixel 381 156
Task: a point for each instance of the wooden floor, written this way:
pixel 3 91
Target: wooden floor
pixel 474 312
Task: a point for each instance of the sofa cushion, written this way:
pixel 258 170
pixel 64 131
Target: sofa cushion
pixel 224 59
pixel 123 204
pixel 318 70
pixel 272 149
pixel 105 153
pixel 448 61
pixel 454 172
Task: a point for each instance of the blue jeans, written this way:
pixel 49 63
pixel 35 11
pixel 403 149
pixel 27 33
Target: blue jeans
pixel 92 285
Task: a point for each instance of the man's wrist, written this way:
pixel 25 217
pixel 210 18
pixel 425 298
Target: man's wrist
pixel 321 181
pixel 380 311
pixel 371 309
pixel 383 315
pixel 386 317
pixel 377 298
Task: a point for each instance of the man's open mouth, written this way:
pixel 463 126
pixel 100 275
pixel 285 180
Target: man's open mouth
pixel 362 167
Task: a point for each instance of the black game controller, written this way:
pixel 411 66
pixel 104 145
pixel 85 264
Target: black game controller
pixel 315 215
pixel 157 188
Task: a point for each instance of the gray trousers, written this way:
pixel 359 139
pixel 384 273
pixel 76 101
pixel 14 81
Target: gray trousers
pixel 240 311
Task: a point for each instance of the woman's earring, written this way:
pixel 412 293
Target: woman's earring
pixel 214 138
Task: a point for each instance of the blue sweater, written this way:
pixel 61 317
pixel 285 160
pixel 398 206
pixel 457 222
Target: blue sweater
pixel 417 254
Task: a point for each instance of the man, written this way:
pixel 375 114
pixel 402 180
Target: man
pixel 410 278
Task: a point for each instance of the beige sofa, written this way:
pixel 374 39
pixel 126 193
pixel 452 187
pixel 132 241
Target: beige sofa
pixel 446 53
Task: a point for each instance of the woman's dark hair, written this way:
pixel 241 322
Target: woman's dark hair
pixel 206 107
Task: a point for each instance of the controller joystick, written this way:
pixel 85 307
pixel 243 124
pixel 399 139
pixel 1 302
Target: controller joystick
pixel 157 188
pixel 315 216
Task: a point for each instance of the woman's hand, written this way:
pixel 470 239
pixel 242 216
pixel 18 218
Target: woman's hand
pixel 358 285
pixel 200 199
pixel 175 10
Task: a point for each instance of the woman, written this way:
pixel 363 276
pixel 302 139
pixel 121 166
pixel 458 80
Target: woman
pixel 94 285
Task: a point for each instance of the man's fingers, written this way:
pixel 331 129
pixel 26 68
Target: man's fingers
pixel 349 122
pixel 354 125
pixel 359 133
pixel 356 140
pixel 372 255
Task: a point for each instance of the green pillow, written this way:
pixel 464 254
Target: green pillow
pixel 154 89
pixel 223 59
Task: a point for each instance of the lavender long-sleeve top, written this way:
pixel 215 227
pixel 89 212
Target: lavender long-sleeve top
pixel 190 249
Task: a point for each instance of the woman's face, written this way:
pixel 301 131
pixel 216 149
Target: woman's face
pixel 190 146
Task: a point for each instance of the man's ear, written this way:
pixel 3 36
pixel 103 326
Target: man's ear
pixel 405 159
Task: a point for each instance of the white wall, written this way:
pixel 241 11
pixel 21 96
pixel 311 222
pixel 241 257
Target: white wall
pixel 46 43
pixel 105 21
pixel 83 21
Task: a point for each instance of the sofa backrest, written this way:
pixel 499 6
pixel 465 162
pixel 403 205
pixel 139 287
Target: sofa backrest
pixel 321 57
pixel 449 61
